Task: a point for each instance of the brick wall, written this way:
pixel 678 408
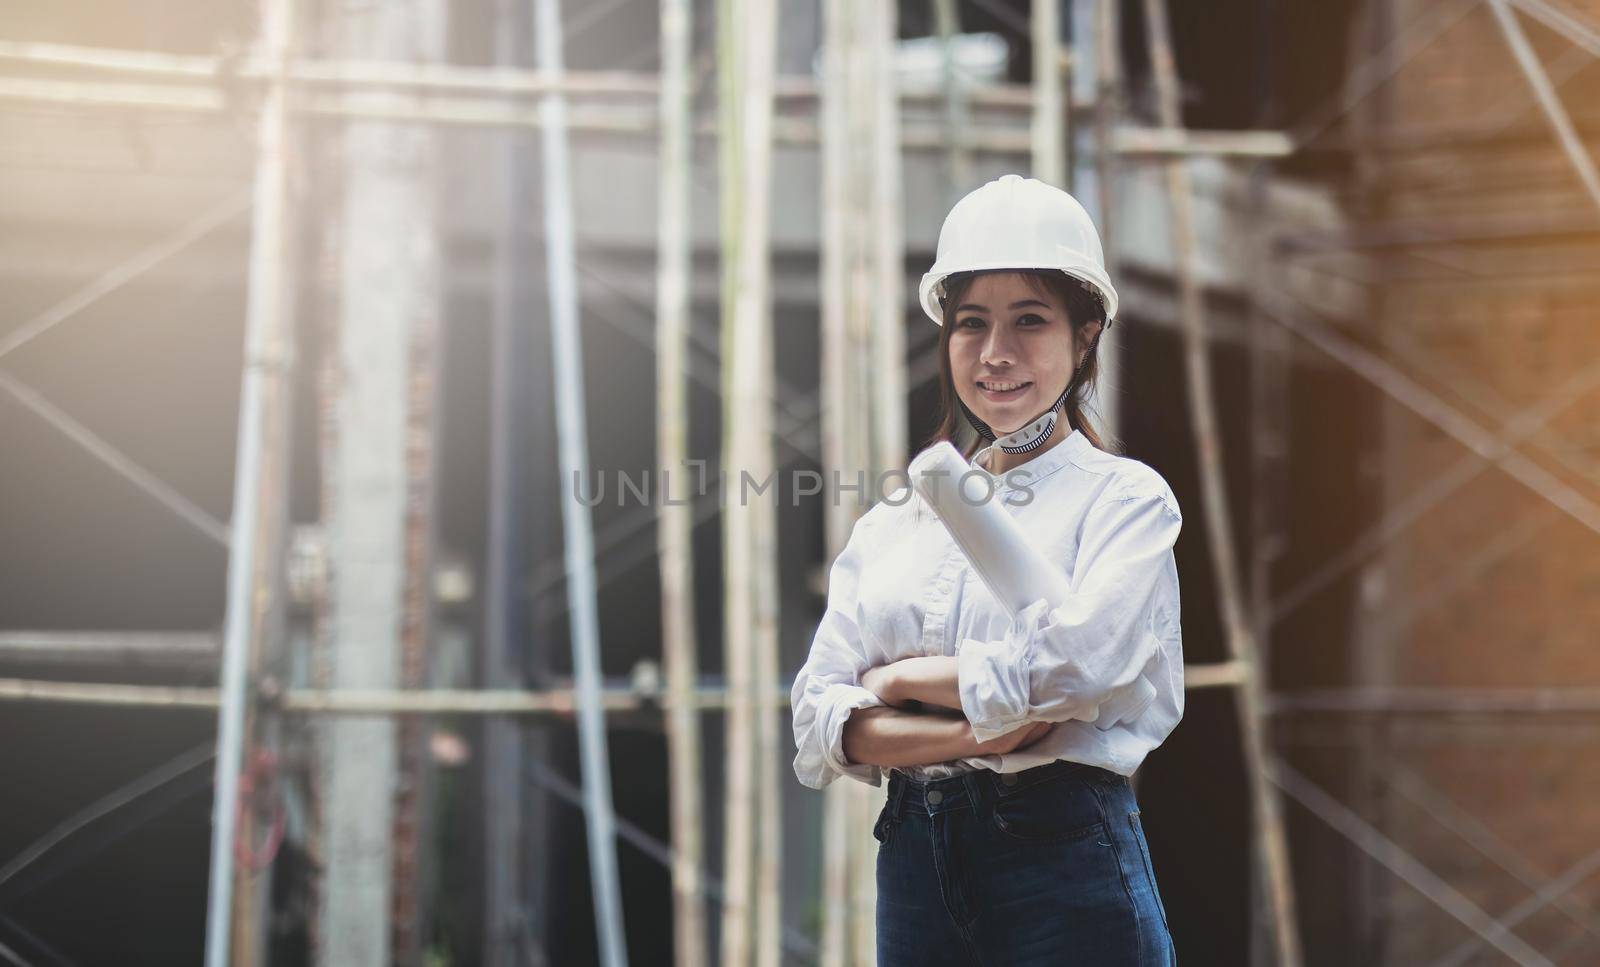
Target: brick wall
pixel 1493 587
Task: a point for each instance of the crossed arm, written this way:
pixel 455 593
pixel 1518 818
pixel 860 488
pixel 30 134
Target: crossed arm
pixel 926 679
pixel 1053 665
pixel 900 735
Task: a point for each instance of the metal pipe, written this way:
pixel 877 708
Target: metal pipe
pixel 577 528
pixel 265 337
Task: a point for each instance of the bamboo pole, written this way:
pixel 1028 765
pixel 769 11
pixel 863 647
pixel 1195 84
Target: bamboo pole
pixel 556 702
pixel 121 649
pixel 862 378
pixel 1048 129
pixel 1222 674
pixel 1104 48
pixel 738 792
pixel 861 300
pixel 577 527
pixel 260 512
pixel 1271 839
pixel 1269 486
pixel 887 206
pixel 1108 104
pixel 113 694
pixel 356 73
pixel 958 173
pixel 993 136
pixel 747 37
pixel 676 524
pixel 835 398
pixel 758 369
pixel 563 702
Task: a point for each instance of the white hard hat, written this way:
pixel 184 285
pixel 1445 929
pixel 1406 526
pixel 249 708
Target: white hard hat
pixel 1018 223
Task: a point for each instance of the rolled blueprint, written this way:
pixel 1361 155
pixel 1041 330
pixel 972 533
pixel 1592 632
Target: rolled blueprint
pixel 1013 569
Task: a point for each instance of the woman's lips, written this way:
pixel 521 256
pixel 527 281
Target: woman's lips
pixel 1004 396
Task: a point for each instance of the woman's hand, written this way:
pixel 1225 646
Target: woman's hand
pixel 881 681
pixel 1016 739
pixel 916 682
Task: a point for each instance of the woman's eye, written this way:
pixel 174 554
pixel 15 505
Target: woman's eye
pixel 1035 320
pixel 970 322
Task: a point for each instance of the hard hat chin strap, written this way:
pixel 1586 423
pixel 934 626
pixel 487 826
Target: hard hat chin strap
pixel 1031 437
pixel 1036 431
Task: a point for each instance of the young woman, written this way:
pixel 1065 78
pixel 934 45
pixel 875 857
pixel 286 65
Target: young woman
pixel 1011 836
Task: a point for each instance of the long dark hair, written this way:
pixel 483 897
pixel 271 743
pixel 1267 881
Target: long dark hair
pixel 1082 309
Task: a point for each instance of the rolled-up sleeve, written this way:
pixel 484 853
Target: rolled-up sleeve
pixel 1061 660
pixel 828 687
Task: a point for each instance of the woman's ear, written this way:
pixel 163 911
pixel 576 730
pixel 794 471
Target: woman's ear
pixel 1085 337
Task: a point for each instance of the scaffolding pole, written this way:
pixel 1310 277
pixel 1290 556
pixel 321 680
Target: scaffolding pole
pixel 862 378
pixel 260 503
pixel 885 319
pixel 1104 47
pixel 1001 136
pixel 577 528
pixel 512 817
pixel 746 56
pixel 675 525
pixel 836 400
pixel 1048 131
pixel 1269 835
pixel 954 109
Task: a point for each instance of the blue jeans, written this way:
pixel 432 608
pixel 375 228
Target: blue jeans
pixel 1044 866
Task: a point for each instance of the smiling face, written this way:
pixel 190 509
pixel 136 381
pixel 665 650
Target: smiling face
pixel 1013 349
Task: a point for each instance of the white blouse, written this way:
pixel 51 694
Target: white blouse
pixel 902 587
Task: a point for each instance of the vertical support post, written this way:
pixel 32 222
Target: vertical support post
pixel 1049 116
pixel 887 205
pixel 958 162
pixel 1271 357
pixel 260 500
pixel 1372 887
pixel 838 400
pixel 1270 838
pixel 676 523
pixel 378 469
pixel 1108 105
pixel 739 801
pixel 747 42
pixel 1103 48
pixel 577 528
pixel 506 816
pixel 862 373
pixel 860 302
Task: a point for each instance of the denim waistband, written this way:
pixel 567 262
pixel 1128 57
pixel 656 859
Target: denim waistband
pixel 930 796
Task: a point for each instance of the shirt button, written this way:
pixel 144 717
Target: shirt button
pixel 1009 779
pixel 935 797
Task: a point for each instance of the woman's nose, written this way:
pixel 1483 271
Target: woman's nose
pixel 998 347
